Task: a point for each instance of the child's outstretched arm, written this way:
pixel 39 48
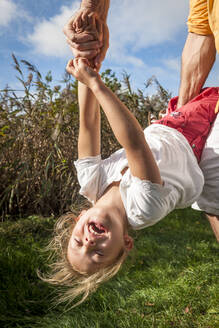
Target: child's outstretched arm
pixel 89 129
pixel 126 128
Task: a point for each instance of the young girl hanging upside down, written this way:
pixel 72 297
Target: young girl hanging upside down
pixel 155 172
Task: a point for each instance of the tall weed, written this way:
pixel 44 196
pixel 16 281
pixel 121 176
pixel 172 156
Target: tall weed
pixel 38 138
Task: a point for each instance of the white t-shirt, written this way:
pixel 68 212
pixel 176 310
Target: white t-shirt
pixel 145 202
pixel 209 164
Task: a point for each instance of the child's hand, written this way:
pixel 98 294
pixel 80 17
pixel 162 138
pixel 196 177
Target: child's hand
pixel 81 70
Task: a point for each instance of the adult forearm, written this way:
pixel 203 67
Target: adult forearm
pixel 197 60
pixel 99 6
pixel 89 130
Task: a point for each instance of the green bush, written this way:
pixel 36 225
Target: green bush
pixel 38 138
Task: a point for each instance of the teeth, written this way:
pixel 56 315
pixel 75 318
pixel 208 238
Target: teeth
pixel 93 231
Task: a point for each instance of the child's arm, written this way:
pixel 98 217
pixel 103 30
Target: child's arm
pixel 89 131
pixel 126 128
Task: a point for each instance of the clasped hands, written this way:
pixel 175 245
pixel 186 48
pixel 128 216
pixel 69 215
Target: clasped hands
pixel 88 36
pixel 81 70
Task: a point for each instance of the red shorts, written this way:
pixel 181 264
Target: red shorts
pixel 194 120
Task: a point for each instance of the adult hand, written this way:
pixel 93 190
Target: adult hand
pixel 105 45
pixel 88 36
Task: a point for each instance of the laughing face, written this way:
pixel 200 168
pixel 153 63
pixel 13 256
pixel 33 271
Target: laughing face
pixel 97 240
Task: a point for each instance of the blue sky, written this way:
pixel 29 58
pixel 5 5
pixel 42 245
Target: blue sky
pixel 146 38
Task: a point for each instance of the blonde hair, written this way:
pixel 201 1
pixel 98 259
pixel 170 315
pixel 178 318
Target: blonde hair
pixel 61 271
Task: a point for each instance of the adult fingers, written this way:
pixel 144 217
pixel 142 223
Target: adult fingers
pixel 70 27
pixel 85 19
pixel 91 45
pixel 100 57
pixel 77 23
pixel 87 14
pixel 80 37
pixel 86 54
pixel 89 54
pixel 97 66
pixel 71 30
pixel 92 21
pixel 99 28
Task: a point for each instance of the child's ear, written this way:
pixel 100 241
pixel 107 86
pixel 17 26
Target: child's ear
pixel 128 242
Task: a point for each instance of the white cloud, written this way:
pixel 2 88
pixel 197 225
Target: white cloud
pixel 146 23
pixel 213 78
pixel 136 25
pixel 11 12
pixel 7 12
pixel 173 64
pixel 48 38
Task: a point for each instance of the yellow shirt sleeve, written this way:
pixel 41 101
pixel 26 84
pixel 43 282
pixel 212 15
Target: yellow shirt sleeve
pixel 198 21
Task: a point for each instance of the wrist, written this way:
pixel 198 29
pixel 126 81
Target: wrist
pixel 95 84
pixel 92 5
pixel 96 6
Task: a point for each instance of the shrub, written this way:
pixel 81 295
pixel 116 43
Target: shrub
pixel 38 138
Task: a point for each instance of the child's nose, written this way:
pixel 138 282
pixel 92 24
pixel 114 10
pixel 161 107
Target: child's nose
pixel 90 241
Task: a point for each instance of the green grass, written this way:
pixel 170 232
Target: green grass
pixel 171 280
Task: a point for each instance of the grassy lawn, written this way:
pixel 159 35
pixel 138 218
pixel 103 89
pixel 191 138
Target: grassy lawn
pixel 171 279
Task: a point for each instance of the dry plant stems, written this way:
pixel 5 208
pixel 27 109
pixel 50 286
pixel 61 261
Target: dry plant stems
pixel 38 139
pixel 36 153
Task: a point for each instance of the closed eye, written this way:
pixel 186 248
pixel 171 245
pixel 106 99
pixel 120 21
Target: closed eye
pixel 78 242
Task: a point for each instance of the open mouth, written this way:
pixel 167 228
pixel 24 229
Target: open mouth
pixel 96 228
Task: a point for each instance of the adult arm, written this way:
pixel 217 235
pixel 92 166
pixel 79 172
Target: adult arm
pixel 89 118
pixel 197 60
pixel 125 127
pixel 98 6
